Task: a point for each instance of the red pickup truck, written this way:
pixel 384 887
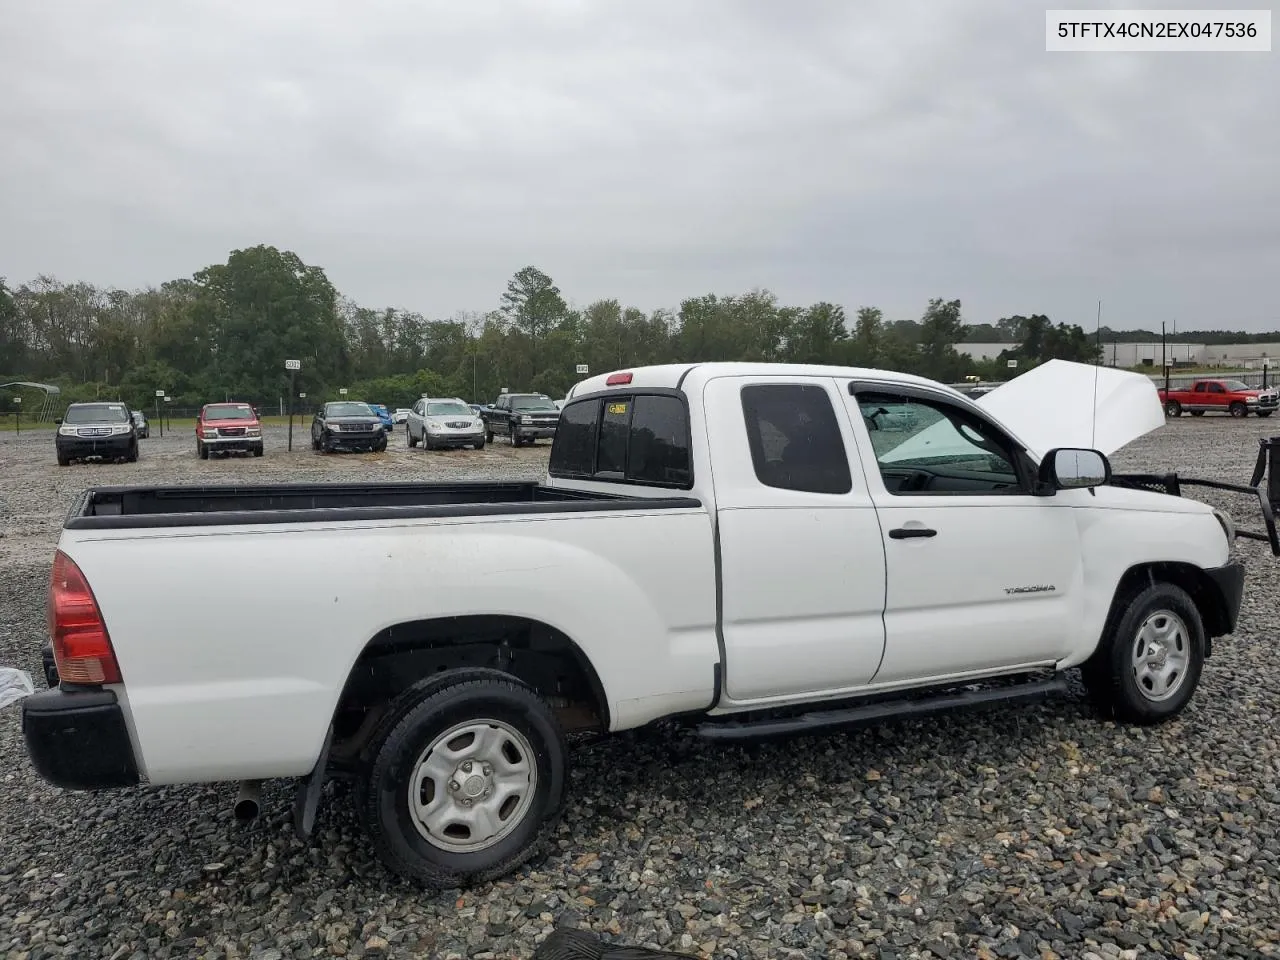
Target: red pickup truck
pixel 223 427
pixel 1225 396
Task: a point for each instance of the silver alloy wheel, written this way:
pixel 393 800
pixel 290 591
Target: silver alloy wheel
pixel 1161 655
pixel 473 785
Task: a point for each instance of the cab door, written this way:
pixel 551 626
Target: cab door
pixel 982 574
pixel 801 555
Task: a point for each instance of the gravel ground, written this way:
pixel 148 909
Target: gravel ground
pixel 1026 832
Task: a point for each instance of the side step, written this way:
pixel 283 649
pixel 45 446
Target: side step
pixel 818 721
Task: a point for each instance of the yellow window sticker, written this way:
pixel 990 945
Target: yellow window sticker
pixel 617 408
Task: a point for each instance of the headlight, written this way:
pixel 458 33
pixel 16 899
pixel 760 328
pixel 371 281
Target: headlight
pixel 122 428
pixel 253 431
pixel 67 431
pixel 524 419
pixel 432 426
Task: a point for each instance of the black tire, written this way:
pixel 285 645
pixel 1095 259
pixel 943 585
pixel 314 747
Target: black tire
pixel 1196 413
pixel 1265 413
pixel 488 434
pixel 132 456
pixel 427 711
pixel 1238 409
pixel 202 450
pixel 479 445
pixel 380 446
pixel 413 442
pixel 512 435
pixel 1172 408
pixel 1110 675
pixel 258 450
pixel 64 461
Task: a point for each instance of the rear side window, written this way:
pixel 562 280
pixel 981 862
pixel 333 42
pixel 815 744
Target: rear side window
pixel 631 439
pixel 795 439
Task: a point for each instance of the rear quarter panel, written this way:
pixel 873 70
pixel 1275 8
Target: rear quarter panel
pixel 234 643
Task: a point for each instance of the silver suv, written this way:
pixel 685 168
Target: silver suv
pixel 444 422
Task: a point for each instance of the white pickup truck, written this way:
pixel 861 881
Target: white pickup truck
pixel 756 549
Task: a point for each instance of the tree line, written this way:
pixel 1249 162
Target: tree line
pixel 225 333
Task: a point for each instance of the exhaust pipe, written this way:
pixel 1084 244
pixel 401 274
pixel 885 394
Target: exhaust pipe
pixel 248 800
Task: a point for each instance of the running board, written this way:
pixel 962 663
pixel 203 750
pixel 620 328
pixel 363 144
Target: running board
pixel 818 721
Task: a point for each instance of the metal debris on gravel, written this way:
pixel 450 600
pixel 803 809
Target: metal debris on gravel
pixel 1023 832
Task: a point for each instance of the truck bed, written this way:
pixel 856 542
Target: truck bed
pixel 114 508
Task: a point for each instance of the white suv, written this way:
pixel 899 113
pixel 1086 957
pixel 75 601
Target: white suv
pixel 444 422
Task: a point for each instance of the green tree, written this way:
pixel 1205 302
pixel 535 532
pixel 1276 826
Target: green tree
pixel 534 307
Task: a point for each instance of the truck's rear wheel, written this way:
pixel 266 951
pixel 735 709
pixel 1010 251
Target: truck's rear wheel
pixel 466 781
pixel 1238 409
pixel 1173 409
pixel 1148 664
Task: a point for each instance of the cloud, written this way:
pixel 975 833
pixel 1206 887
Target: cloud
pixel 871 153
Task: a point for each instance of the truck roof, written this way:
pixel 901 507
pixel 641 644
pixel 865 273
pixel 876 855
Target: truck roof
pixel 688 375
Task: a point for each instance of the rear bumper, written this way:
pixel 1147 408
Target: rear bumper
pixel 1229 580
pixel 78 740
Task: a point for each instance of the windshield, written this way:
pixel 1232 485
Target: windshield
pixel 229 411
pixel 348 408
pixel 533 403
pixel 1235 386
pixel 97 413
pixel 448 409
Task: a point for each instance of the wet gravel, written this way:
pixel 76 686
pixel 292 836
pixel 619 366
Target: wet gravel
pixel 1026 832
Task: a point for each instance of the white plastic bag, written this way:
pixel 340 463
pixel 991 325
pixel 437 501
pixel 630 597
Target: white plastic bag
pixel 14 685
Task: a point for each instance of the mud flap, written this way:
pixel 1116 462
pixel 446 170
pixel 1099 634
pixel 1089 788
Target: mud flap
pixel 306 801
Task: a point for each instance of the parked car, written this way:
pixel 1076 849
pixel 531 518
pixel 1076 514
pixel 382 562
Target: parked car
pixel 444 422
pixel 227 428
pixel 141 425
pixel 401 415
pixel 347 425
pixel 715 542
pixel 383 414
pixel 96 430
pixel 521 418
pixel 1222 396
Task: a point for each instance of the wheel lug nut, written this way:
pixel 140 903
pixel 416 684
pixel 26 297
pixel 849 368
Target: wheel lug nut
pixel 453 784
pixel 466 801
pixel 466 767
pixel 487 769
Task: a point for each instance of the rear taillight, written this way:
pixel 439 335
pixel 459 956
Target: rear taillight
pixel 81 646
pixel 617 379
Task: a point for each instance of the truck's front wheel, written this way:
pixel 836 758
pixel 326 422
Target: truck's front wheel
pixel 466 784
pixel 1148 665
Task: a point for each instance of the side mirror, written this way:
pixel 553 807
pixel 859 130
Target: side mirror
pixel 1073 468
pixel 58 421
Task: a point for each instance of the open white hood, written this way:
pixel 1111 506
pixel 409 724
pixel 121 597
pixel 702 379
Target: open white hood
pixel 1054 405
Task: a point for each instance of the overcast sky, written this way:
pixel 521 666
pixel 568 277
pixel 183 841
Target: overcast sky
pixel 861 152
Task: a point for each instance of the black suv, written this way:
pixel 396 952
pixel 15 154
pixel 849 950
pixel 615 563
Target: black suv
pixel 347 425
pixel 96 430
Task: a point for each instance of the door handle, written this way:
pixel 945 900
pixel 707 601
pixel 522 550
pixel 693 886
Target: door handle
pixel 907 533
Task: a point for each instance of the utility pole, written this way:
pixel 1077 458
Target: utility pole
pixel 159 419
pixel 1164 360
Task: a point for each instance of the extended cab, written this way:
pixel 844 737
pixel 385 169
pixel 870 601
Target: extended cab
pixel 756 549
pixel 227 427
pixel 1223 396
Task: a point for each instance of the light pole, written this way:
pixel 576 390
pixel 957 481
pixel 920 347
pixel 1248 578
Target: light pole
pixel 167 399
pixel 293 366
pixel 17 415
pixel 160 419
